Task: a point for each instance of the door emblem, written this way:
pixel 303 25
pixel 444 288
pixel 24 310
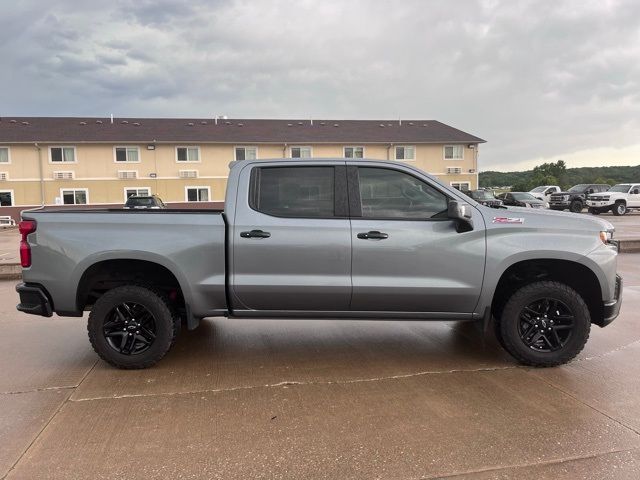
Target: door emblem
pixel 508 220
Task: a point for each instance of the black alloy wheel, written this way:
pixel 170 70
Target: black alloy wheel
pixel 133 326
pixel 129 328
pixel 545 325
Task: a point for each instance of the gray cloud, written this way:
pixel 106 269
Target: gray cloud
pixel 536 79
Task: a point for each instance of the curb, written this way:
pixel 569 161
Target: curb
pixel 10 271
pixel 629 246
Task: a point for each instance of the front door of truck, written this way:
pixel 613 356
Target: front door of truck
pixel 634 196
pixel 291 241
pixel 407 255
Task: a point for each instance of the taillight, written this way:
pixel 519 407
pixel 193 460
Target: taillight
pixel 25 228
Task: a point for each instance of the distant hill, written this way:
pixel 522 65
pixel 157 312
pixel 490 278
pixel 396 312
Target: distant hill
pixel 571 176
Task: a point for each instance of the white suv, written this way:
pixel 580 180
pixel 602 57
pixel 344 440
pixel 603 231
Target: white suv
pixel 619 199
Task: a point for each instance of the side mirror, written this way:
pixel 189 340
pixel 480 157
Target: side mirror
pixel 461 214
pixel 591 190
pixel 636 191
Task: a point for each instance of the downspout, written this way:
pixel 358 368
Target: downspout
pixel 40 170
pixel 389 151
pixel 284 151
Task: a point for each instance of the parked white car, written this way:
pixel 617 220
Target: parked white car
pixel 544 192
pixel 619 199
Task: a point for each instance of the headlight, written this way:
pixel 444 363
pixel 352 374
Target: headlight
pixel 606 236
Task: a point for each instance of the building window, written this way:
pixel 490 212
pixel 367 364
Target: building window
pixel 453 152
pixel 198 194
pixel 136 192
pixel 187 154
pixel 405 152
pixel 462 186
pixel 246 153
pixel 353 152
pixel 4 155
pixel 63 154
pixel 127 154
pixel 6 198
pixel 300 152
pixel 75 196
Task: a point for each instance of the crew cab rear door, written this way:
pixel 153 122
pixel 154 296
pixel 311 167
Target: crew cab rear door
pixel 290 238
pixel 407 254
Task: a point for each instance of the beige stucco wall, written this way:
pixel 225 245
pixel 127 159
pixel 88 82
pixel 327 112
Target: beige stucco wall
pixel 96 169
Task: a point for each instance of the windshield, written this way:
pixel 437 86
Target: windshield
pixel 482 195
pixel 524 197
pixel 579 188
pixel 538 189
pixel 623 187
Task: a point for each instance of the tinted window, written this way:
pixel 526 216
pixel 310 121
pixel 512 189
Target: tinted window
pixel 388 193
pixel 294 191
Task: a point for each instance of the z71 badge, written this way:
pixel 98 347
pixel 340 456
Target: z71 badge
pixel 508 220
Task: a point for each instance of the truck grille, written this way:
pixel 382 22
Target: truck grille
pixel 559 198
pixel 597 198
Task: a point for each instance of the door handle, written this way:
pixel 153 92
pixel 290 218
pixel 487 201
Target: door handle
pixel 255 234
pixel 373 235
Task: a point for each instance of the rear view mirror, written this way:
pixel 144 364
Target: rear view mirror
pixel 461 214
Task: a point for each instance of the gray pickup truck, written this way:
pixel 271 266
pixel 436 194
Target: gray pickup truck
pixel 323 238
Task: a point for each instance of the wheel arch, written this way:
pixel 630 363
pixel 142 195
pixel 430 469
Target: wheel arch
pixel 575 274
pixel 101 273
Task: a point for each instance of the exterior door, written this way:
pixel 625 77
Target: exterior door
pixel 407 255
pixel 634 196
pixel 291 239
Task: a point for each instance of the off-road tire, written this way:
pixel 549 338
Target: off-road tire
pixel 167 325
pixel 576 206
pixel 619 209
pixel 507 325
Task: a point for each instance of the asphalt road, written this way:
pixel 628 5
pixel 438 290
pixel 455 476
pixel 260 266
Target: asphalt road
pixel 318 399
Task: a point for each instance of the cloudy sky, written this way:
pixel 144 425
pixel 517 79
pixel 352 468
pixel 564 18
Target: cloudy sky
pixel 540 80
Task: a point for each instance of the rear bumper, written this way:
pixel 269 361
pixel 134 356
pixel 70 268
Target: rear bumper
pixel 34 300
pixel 612 308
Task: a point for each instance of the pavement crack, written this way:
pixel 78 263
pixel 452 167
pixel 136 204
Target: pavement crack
pixel 557 461
pixel 288 383
pixel 43 389
pixel 606 354
pixel 595 409
pixel 44 427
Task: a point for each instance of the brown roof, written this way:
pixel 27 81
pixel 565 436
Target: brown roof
pixel 205 130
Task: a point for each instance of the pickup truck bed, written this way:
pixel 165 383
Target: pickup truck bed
pixel 72 245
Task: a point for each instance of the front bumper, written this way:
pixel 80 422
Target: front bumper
pixel 612 309
pixel 34 300
pixel 598 204
pixel 562 205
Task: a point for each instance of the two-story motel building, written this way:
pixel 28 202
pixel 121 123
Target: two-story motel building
pixel 102 161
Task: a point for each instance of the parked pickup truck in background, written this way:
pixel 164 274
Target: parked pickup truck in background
pixel 544 192
pixel 619 199
pixel 575 199
pixel 323 238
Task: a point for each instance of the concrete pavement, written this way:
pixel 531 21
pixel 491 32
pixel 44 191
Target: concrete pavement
pixel 318 399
